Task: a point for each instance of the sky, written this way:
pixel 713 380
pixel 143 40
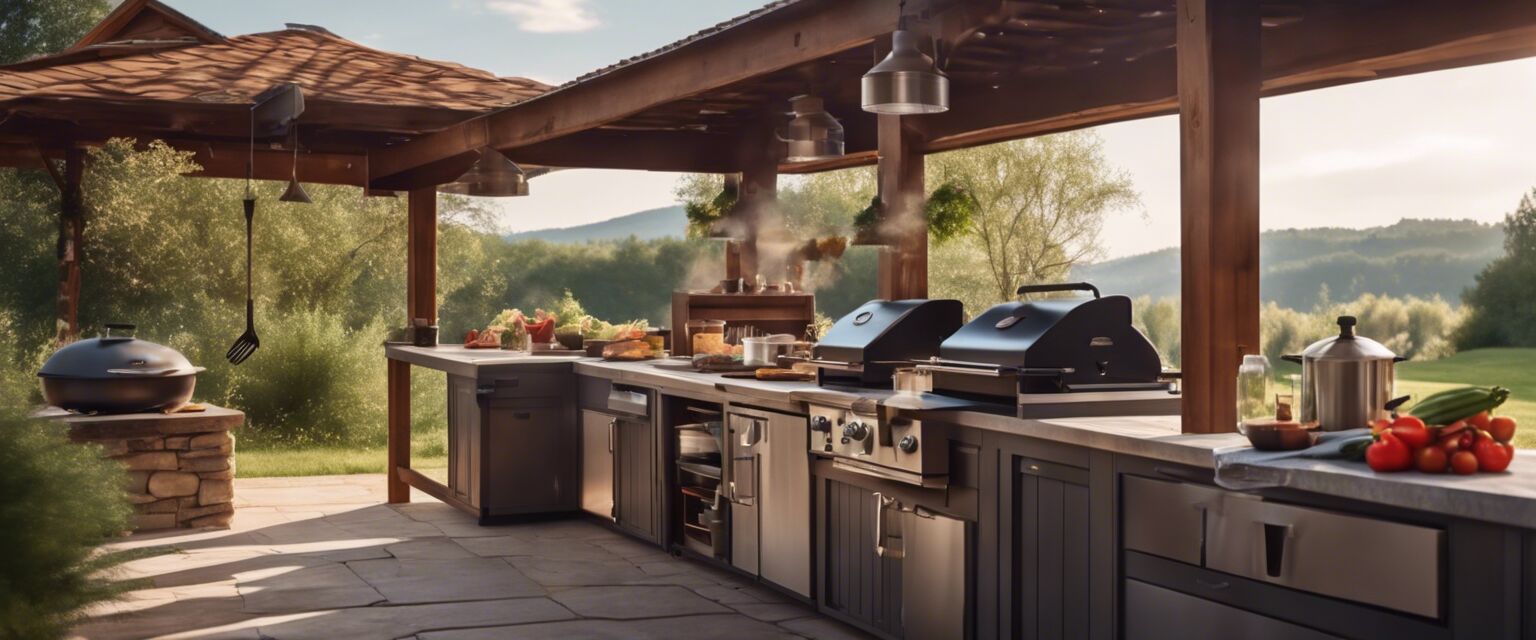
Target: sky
pixel 1451 144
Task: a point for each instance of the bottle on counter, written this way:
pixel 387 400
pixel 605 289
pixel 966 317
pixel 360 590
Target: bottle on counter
pixel 1255 396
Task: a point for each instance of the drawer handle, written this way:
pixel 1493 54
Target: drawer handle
pixel 1275 538
pixel 1213 585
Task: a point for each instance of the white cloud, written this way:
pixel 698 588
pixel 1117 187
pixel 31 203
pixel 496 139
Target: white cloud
pixel 547 16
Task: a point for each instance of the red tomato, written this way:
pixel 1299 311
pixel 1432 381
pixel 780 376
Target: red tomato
pixel 1464 463
pixel 1388 453
pixel 1379 425
pixel 1408 421
pixel 1492 456
pixel 1430 460
pixel 1413 435
pixel 1480 420
pixel 1501 428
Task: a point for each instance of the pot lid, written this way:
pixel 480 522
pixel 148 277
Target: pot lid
pixel 116 356
pixel 1348 346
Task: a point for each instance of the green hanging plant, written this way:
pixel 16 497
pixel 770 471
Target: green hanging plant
pixel 702 216
pixel 949 212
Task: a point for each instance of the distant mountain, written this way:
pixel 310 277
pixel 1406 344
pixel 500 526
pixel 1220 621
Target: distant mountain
pixel 1412 257
pixel 644 225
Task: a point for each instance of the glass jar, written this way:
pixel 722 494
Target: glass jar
pixel 1255 394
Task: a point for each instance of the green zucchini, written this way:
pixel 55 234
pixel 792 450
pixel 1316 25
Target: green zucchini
pixel 1451 405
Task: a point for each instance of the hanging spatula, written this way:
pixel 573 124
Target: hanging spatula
pixel 247 343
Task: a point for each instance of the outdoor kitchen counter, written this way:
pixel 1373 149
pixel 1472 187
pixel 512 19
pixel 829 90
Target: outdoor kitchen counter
pixel 1508 498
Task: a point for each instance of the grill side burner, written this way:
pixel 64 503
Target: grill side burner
pixel 863 348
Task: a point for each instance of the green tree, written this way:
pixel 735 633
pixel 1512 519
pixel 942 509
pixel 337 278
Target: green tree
pixel 1501 311
pixel 1040 204
pixel 30 28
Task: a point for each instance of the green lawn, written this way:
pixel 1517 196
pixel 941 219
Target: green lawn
pixel 429 455
pixel 1514 369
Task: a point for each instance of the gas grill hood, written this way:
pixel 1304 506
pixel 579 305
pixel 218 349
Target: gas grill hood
pixel 863 347
pixel 1048 346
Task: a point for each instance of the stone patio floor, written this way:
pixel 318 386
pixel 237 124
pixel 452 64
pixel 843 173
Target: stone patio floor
pixel 325 557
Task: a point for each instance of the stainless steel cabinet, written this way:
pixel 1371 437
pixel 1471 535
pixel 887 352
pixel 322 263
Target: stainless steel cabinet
pixel 769 485
pixel 597 463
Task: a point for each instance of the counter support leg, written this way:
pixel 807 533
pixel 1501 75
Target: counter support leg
pixel 399 383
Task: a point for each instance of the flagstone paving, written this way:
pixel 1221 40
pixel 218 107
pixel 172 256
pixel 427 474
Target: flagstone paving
pixel 324 557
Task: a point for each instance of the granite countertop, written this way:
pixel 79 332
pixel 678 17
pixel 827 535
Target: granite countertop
pixel 1507 498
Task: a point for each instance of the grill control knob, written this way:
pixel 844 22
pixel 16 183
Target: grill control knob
pixel 908 444
pixel 855 431
pixel 821 423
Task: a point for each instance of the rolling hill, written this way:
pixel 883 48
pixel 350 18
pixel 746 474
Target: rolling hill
pixel 1421 258
pixel 644 225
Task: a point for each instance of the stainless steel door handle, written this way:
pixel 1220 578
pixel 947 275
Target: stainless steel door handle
pixel 613 425
pixel 891 547
pixel 1277 541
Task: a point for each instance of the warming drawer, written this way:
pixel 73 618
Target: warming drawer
pixel 1165 518
pixel 1379 562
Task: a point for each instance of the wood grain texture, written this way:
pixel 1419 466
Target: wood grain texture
pixel 1219 81
pixel 399 416
pixel 421 262
pixel 903 267
pixel 71 243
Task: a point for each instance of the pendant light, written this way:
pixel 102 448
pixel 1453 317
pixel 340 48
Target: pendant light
pixel 906 81
pixel 813 134
pixel 295 191
pixel 493 176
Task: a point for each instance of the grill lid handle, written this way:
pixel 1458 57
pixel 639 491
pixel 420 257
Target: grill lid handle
pixel 1065 286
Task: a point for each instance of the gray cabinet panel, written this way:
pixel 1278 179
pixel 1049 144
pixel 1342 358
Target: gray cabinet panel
pixel 1050 550
pixel 463 439
pixel 1155 613
pixel 785 505
pixel 858 583
pixel 635 473
pixel 529 455
pixel 597 463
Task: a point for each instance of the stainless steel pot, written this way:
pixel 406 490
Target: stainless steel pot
pixel 1346 380
pixel 117 374
pixel 764 351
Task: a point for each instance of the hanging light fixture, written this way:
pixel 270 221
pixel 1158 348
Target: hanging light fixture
pixel 813 134
pixel 493 176
pixel 906 81
pixel 295 191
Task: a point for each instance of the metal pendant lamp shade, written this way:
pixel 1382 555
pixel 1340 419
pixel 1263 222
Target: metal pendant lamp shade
pixel 295 191
pixel 906 81
pixel 813 134
pixel 492 176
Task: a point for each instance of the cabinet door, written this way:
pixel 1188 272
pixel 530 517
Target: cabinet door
pixel 1050 550
pixel 529 455
pixel 597 434
pixel 857 583
pixel 784 505
pixel 635 490
pixel 463 434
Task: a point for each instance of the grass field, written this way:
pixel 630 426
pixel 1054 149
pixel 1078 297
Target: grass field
pixel 1514 369
pixel 429 455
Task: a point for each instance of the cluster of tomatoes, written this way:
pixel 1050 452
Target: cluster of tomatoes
pixel 1479 443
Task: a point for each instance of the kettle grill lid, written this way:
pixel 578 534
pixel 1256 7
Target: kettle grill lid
pixel 98 357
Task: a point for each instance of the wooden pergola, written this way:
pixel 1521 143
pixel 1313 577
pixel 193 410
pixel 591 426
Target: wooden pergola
pixel 711 103
pixel 149 72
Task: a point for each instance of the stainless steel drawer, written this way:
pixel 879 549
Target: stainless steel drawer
pixel 1155 613
pixel 1388 564
pixel 1165 518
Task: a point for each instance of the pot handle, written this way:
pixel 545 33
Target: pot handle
pixel 119 326
pixel 1394 403
pixel 1292 358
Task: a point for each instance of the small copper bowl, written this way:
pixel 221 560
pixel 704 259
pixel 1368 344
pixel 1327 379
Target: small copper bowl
pixel 1274 435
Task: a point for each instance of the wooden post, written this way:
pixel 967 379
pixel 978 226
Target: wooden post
pixel 903 270
pixel 757 197
pixel 71 243
pixel 420 302
pixel 1219 78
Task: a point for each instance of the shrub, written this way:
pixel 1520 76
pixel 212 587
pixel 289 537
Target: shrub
pixel 61 501
pixel 314 381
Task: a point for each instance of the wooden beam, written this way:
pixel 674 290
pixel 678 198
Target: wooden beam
pixel 414 479
pixel 228 161
pixel 398 383
pixel 70 245
pixel 757 199
pixel 903 267
pixel 421 263
pixel 1219 77
pixel 681 151
pixel 783 38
